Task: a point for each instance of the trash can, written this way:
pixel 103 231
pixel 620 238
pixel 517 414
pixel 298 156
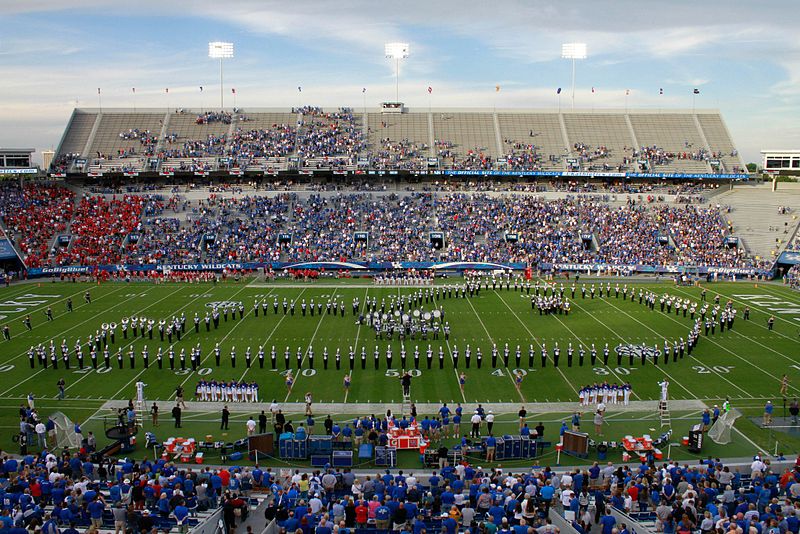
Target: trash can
pixel 602 450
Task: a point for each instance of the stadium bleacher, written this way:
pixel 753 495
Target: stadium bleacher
pixel 335 139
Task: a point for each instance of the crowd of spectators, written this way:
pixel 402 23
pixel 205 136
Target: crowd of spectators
pixel 324 134
pixel 99 227
pixel 582 228
pixel 210 117
pixel 33 215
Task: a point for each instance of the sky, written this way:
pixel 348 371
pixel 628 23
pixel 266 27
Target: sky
pixel 743 56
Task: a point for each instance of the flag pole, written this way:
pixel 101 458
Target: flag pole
pixel 134 99
pixel 99 100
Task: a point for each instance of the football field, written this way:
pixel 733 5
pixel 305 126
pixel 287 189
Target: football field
pixel 745 364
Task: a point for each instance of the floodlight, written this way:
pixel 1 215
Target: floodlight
pixel 220 50
pixel 396 50
pixel 573 51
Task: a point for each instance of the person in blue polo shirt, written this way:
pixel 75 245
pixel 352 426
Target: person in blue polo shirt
pixel 96 508
pixel 546 494
pixel 382 515
pixel 608 522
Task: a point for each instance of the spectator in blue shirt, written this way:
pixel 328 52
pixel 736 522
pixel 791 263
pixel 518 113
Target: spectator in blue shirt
pixel 96 508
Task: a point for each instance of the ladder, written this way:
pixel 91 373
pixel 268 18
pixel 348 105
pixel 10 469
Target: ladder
pixel 140 407
pixel 663 411
pixel 406 410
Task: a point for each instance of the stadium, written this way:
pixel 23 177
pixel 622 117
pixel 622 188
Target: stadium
pixel 554 318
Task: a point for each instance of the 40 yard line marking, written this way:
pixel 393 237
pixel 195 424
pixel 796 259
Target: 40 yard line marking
pixel 522 397
pixel 274 329
pixel 355 346
pixel 311 341
pixel 537 341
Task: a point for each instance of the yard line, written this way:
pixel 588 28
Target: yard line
pixel 469 301
pixel 189 333
pixel 674 320
pixel 210 352
pixel 754 341
pixel 18 289
pixel 60 334
pixel 776 290
pixel 34 310
pixel 614 332
pixel 458 378
pixel 762 327
pixel 355 346
pixel 133 340
pixel 274 329
pixel 299 371
pixel 537 341
pixel 43 369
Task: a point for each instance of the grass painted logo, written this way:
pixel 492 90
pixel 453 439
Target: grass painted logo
pixel 637 351
pixel 220 304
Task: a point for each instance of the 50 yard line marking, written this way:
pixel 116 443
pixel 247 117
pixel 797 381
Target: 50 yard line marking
pixel 314 335
pixel 355 346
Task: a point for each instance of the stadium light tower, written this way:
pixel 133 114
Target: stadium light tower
pixel 220 50
pixel 573 51
pixel 397 51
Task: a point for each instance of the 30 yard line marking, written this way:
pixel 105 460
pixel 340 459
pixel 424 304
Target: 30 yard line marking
pixel 190 373
pixel 210 352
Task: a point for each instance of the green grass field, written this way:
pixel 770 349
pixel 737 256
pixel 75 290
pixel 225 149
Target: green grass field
pixel 745 364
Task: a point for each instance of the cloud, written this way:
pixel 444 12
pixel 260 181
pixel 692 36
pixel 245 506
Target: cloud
pixel 460 48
